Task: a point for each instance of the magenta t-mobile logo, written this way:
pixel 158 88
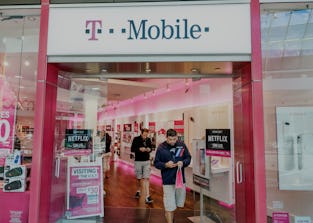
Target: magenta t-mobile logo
pixel 93 27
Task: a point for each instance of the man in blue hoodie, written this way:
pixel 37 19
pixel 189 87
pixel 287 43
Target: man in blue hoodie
pixel 170 155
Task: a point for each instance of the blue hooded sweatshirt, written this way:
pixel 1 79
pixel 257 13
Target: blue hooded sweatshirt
pixel 165 153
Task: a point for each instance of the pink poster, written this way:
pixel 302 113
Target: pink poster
pixel 7 115
pixel 7 119
pixel 280 217
pixel 85 195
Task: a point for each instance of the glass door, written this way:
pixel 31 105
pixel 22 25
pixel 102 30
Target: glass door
pixel 77 183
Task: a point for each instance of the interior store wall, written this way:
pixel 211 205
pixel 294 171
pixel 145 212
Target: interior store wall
pixel 288 82
pixel 213 98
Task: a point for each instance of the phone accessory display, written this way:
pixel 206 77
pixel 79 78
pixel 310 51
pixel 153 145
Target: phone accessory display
pixel 14 172
pixel 13 186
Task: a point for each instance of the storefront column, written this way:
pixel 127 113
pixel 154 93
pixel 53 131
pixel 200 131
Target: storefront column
pixel 257 113
pixel 43 132
pixel 249 132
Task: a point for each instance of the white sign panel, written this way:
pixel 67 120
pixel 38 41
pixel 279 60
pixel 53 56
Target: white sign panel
pixel 303 219
pixel 295 147
pixel 157 29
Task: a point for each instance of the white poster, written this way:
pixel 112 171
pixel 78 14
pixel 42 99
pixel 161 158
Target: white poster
pixel 201 164
pixel 295 147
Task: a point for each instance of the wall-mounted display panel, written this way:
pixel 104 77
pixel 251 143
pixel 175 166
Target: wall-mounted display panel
pixel 295 147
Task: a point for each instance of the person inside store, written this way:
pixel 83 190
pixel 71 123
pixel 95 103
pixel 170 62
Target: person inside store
pixel 170 155
pixel 107 139
pixel 142 147
pixel 17 142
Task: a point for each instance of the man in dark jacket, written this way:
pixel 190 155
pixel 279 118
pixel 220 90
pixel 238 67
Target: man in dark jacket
pixel 142 148
pixel 170 155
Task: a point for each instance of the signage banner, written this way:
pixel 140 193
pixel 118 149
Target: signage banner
pixel 150 29
pixel 280 217
pixel 179 126
pixel 152 126
pixel 7 116
pixel 7 127
pixel 78 141
pixel 84 194
pixel 218 142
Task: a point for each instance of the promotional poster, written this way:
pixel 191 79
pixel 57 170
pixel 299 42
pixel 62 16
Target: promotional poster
pixel 218 142
pixel 78 142
pixel 84 191
pixel 295 147
pixel 7 115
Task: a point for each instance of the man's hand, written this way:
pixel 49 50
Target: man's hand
pixel 170 164
pixel 143 149
pixel 180 163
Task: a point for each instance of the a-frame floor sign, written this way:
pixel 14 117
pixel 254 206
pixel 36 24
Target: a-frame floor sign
pixel 84 188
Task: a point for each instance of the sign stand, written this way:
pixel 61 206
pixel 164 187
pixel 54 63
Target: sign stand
pixel 84 189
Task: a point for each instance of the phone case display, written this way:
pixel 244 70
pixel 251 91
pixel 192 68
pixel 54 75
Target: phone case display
pixel 14 174
pixel 295 147
pixel 84 189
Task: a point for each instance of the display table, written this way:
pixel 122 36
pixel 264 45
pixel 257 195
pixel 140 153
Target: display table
pixel 14 206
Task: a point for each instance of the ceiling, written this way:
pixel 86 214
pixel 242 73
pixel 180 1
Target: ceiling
pixel 116 82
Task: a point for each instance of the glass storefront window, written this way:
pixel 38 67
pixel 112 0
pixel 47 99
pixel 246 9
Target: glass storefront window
pixel 19 38
pixel 287 55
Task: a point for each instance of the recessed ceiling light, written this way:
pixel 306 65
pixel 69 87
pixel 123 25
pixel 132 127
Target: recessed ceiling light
pixel 195 70
pixel 26 63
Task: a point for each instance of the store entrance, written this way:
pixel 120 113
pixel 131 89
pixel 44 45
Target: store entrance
pixel 194 98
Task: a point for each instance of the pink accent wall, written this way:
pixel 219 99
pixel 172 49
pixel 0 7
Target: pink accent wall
pixel 203 92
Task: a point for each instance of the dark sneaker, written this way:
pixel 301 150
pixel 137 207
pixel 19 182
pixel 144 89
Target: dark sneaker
pixel 137 195
pixel 148 200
